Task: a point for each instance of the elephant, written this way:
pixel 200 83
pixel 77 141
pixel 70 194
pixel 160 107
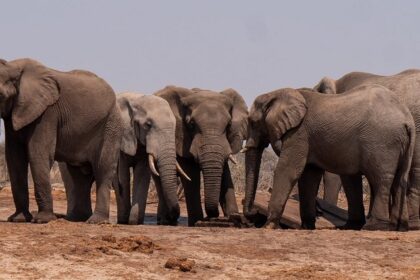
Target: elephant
pixel 332 186
pixel 363 132
pixel 406 86
pixel 148 140
pixel 70 117
pixel 210 128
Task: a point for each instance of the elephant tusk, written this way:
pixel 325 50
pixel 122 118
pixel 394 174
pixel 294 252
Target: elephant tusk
pixel 243 150
pixel 232 159
pixel 182 172
pixel 152 165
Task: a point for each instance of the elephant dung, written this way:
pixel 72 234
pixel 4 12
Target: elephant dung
pixel 182 264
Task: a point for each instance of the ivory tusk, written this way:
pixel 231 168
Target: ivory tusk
pixel 182 172
pixel 152 165
pixel 243 150
pixel 232 159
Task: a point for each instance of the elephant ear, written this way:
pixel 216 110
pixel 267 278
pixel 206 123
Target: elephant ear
pixel 129 139
pixel 174 95
pixel 38 89
pixel 285 112
pixel 237 130
pixel 326 85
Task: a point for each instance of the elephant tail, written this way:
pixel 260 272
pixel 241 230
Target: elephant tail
pixel 401 179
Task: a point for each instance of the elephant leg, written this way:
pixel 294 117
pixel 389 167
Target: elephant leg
pixel 17 166
pixel 332 186
pixel 41 149
pixel 398 205
pixel 101 212
pixel 413 192
pixel 227 193
pixel 353 189
pixel 122 188
pixel 379 219
pixel 371 199
pixel 141 182
pixel 288 170
pixel 78 186
pixel 192 190
pixel 308 186
pixel 105 173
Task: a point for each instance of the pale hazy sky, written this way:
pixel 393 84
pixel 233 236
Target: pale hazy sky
pixel 252 46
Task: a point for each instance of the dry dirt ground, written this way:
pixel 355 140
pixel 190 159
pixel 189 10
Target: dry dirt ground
pixel 65 250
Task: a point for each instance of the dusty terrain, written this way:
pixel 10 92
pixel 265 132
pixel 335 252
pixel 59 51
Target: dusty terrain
pixel 65 250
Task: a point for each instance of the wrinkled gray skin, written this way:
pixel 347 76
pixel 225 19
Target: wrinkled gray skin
pixel 210 127
pixel 365 131
pixel 406 86
pixel 148 129
pixel 332 186
pixel 69 117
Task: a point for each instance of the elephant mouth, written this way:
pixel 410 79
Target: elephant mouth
pixel 153 169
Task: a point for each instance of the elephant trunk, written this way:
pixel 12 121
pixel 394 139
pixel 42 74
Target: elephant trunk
pixel 252 171
pixel 166 163
pixel 212 160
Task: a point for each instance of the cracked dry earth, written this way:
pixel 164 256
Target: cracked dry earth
pixel 65 250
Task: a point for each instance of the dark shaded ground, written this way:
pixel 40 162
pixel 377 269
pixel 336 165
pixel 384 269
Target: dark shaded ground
pixel 64 250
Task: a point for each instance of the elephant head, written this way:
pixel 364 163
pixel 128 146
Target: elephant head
pixel 272 115
pixel 148 121
pixel 211 126
pixel 326 85
pixel 27 88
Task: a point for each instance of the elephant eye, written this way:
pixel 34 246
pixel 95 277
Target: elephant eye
pixel 190 122
pixel 147 125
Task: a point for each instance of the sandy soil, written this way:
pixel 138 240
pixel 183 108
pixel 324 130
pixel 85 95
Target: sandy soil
pixel 65 250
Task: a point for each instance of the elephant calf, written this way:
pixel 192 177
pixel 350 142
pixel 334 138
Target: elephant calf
pixel 148 146
pixel 365 131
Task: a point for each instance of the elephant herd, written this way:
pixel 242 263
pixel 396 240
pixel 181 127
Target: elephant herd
pixel 359 125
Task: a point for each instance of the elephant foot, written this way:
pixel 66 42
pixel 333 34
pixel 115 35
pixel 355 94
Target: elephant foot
pixel 272 225
pixel 194 219
pixel 376 224
pixel 309 226
pixel 399 226
pixel 256 218
pixel 134 216
pixel 167 222
pixel 251 214
pixel 122 220
pixel 352 225
pixel 43 217
pixel 414 224
pixel 20 217
pixel 98 219
pixel 239 220
pixel 73 217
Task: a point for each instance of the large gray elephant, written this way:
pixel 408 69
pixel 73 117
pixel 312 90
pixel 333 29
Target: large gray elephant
pixel 148 147
pixel 50 115
pixel 406 86
pixel 365 131
pixel 211 127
